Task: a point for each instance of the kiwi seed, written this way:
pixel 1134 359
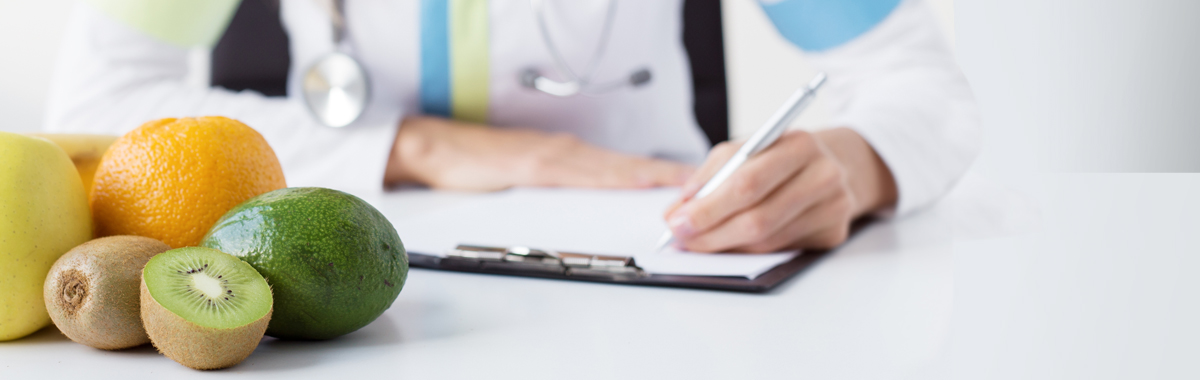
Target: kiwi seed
pixel 204 308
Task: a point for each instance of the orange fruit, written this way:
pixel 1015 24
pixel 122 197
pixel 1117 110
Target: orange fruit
pixel 171 179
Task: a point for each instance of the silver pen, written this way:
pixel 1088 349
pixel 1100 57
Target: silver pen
pixel 763 138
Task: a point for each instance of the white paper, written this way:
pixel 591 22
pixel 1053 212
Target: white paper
pixel 608 222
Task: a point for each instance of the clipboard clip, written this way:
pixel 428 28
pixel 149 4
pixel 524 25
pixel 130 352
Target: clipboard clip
pixel 525 260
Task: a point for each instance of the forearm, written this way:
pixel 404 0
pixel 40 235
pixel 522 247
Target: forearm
pixel 899 88
pixel 406 148
pixel 437 152
pixel 448 154
pixel 419 150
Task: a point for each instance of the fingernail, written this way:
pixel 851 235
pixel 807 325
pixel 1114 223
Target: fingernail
pixel 681 224
pixel 678 246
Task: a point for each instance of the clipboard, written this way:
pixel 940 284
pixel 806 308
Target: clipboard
pixel 537 233
pixel 530 262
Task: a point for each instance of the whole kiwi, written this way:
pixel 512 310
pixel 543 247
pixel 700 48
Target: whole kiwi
pixel 93 291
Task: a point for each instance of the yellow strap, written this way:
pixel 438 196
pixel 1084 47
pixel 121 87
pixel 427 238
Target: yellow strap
pixel 469 60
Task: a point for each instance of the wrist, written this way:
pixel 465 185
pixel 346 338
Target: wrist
pixel 867 176
pixel 448 154
pixel 410 148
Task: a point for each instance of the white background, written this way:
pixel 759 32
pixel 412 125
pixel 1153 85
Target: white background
pixel 29 35
pixel 1102 285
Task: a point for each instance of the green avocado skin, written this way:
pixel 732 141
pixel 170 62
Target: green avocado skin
pixel 333 261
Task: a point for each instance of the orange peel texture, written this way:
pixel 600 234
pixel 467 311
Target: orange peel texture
pixel 171 179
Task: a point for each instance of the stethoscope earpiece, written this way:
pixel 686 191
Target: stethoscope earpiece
pixel 529 77
pixel 639 78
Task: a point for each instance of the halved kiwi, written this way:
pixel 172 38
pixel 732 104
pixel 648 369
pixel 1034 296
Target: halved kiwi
pixel 204 308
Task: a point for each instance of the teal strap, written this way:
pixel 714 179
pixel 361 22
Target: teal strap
pixel 435 57
pixel 816 25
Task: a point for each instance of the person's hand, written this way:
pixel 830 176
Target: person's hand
pixel 802 192
pixel 446 154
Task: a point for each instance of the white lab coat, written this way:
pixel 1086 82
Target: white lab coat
pixel 897 85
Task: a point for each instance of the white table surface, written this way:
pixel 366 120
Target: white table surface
pixel 1075 276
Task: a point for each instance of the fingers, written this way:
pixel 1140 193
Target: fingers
pixel 577 164
pixel 657 173
pixel 629 172
pixel 671 209
pixel 747 187
pixel 763 226
pixel 823 226
pixel 716 158
pixel 829 238
pixel 826 226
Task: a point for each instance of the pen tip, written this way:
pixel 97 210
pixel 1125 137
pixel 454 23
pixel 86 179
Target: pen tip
pixel 663 241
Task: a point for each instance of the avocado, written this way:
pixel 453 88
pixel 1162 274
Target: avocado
pixel 333 261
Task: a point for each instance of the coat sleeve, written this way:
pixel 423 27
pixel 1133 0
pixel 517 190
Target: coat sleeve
pixel 892 79
pixel 114 74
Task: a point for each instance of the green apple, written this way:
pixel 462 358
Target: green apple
pixel 85 151
pixel 43 214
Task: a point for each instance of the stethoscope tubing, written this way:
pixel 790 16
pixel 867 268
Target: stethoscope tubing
pixel 577 84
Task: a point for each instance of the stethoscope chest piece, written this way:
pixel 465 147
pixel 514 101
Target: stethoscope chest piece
pixel 336 89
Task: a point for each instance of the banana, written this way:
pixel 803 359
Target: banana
pixel 85 151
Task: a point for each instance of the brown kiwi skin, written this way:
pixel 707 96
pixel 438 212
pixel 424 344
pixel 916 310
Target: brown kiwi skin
pixel 92 294
pixel 196 346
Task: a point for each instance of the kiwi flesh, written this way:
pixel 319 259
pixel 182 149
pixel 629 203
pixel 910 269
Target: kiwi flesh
pixel 92 291
pixel 204 308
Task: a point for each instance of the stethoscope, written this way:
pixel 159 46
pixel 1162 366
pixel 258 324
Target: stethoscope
pixel 336 89
pixel 577 84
